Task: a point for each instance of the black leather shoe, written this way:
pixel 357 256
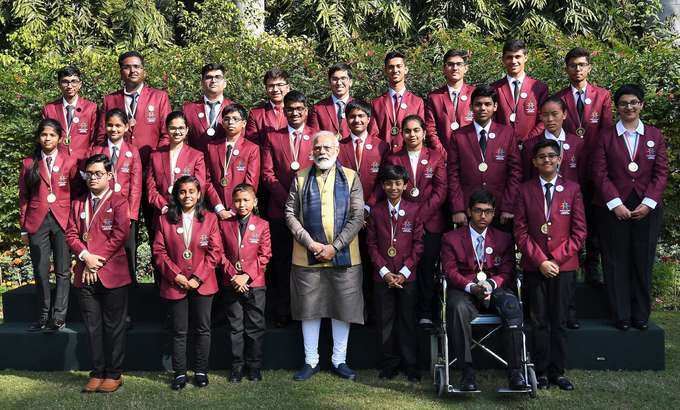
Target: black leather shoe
pixel 516 380
pixel 200 379
pixel 640 325
pixel 235 375
pixel 388 373
pixel 345 372
pixel 179 382
pixel 38 326
pixel 562 382
pixel 622 325
pixel 254 375
pixel 468 381
pixel 413 376
pixel 306 373
pixel 542 382
pixel 573 324
pixel 56 325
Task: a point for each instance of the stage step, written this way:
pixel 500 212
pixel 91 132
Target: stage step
pixel 595 346
pixel 146 306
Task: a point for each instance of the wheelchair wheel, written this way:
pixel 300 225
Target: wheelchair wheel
pixel 532 381
pixel 439 381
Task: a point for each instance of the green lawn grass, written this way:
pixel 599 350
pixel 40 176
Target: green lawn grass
pixel 594 389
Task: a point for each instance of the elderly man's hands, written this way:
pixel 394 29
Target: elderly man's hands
pixel 323 253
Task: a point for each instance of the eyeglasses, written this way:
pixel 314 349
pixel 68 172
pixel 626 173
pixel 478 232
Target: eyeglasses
pixel 131 67
pixel 228 120
pixel 177 129
pixel 577 66
pixel 213 77
pixel 456 64
pixel 486 212
pixel 95 175
pixel 271 87
pixel 543 157
pixel 66 83
pixel 339 79
pixel 628 104
pixel 298 110
pixel 327 148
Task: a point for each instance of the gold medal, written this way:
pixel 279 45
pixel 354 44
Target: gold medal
pixel 481 276
pixel 224 181
pixel 580 131
pixel 238 266
pixel 86 237
pixel 67 140
pixel 294 165
pixel 132 122
pixel 391 251
pixel 51 198
pixel 544 229
pixel 633 167
pixel 395 130
pixel 186 254
pixel 482 167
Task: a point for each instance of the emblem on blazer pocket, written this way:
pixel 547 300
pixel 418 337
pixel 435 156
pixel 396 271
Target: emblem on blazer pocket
pixel 429 172
pixel 375 168
pixel 595 117
pixel 651 153
pixel 62 180
pixel 82 127
pixel 469 116
pixel 203 241
pixel 107 225
pixel 500 154
pixel 497 260
pixel 254 238
pixel 565 209
pixel 407 227
pixel 572 162
pixel 125 168
pixel 241 166
pixel 530 107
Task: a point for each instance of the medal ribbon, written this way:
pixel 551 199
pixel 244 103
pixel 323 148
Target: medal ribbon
pixel 295 146
pixel 632 150
pixel 186 232
pixel 88 205
pixel 227 158
pixel 480 261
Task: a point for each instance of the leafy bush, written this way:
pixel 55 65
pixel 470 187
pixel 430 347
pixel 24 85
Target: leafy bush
pixel 666 285
pixel 25 87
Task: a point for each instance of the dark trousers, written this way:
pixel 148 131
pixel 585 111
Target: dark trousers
pixel 628 251
pixel 548 301
pixel 368 283
pixel 592 261
pixel 103 311
pixel 282 256
pixel 131 250
pixel 191 314
pixel 396 319
pixel 245 314
pixel 463 307
pixel 432 243
pixel 50 239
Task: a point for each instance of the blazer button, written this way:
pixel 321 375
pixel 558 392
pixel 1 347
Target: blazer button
pixel 550 238
pixel 633 180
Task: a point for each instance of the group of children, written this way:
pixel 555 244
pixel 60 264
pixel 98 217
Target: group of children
pixel 504 164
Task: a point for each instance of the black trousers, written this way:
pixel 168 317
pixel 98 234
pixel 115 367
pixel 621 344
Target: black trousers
pixel 463 307
pixel 191 315
pixel 593 251
pixel 432 243
pixel 245 314
pixel 548 301
pixel 628 251
pixel 396 318
pixel 282 256
pixel 131 250
pixel 50 239
pixel 103 311
pixel 367 281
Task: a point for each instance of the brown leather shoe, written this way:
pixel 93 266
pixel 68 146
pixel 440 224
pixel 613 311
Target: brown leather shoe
pixel 92 385
pixel 110 385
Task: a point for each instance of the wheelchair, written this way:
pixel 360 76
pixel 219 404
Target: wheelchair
pixel 439 347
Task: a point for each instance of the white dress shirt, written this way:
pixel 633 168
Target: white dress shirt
pixel 404 270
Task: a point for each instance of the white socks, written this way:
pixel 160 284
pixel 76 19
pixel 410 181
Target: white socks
pixel 310 335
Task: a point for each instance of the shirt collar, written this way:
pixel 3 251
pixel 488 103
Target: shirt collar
pixel 401 94
pixel 474 234
pixel 206 100
pixel 574 90
pixel 415 154
pixel 395 208
pixel 100 196
pixel 512 79
pixel 119 145
pixel 138 90
pixel 52 155
pixel 362 137
pixel 452 90
pixel 244 221
pixel 621 129
pixel 291 130
pixel 562 137
pixel 479 128
pixel 336 99
pixel 66 104
pixel 543 181
pixel 188 215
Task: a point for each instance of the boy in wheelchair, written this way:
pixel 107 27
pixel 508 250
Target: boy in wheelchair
pixel 478 262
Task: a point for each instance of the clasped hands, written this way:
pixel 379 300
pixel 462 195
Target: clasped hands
pixel 92 265
pixel 481 290
pixel 623 213
pixel 394 280
pixel 323 253
pixel 240 282
pixel 186 284
pixel 549 268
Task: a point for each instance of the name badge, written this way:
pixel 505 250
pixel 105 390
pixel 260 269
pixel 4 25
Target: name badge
pixel 407 227
pixel 565 209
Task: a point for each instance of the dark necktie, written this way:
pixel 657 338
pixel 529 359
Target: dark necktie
pixel 579 104
pixel 454 100
pixel 548 195
pixel 211 112
pixel 358 152
pixel 516 84
pixel 48 161
pixel 114 156
pixel 229 147
pixel 95 203
pixel 394 216
pixel 482 141
pixel 69 115
pixel 242 226
pixel 341 110
pixel 133 105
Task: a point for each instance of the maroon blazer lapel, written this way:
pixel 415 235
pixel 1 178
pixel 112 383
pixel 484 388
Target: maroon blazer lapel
pixel 142 103
pixel 165 164
pixel 330 108
pixel 474 144
pixel 507 93
pixel 572 112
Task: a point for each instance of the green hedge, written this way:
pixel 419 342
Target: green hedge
pixel 25 87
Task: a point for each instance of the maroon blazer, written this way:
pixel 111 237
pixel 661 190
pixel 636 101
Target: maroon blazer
pixel 382 119
pixel 206 249
pixel 597 116
pixel 244 167
pixel 149 131
pixel 431 182
pixel 108 232
pixel 277 176
pixel 502 177
pixel 610 167
pixel 255 251
pixel 83 131
pixel 374 153
pixel 439 115
pixel 408 239
pixel 573 165
pixel 158 178
pixel 527 121
pixel 128 173
pixel 459 262
pixel 198 124
pixel 263 120
pixel 566 234
pixel 65 183
pixel 323 118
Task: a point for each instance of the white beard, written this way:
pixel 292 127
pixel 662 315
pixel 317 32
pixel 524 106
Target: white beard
pixel 325 164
